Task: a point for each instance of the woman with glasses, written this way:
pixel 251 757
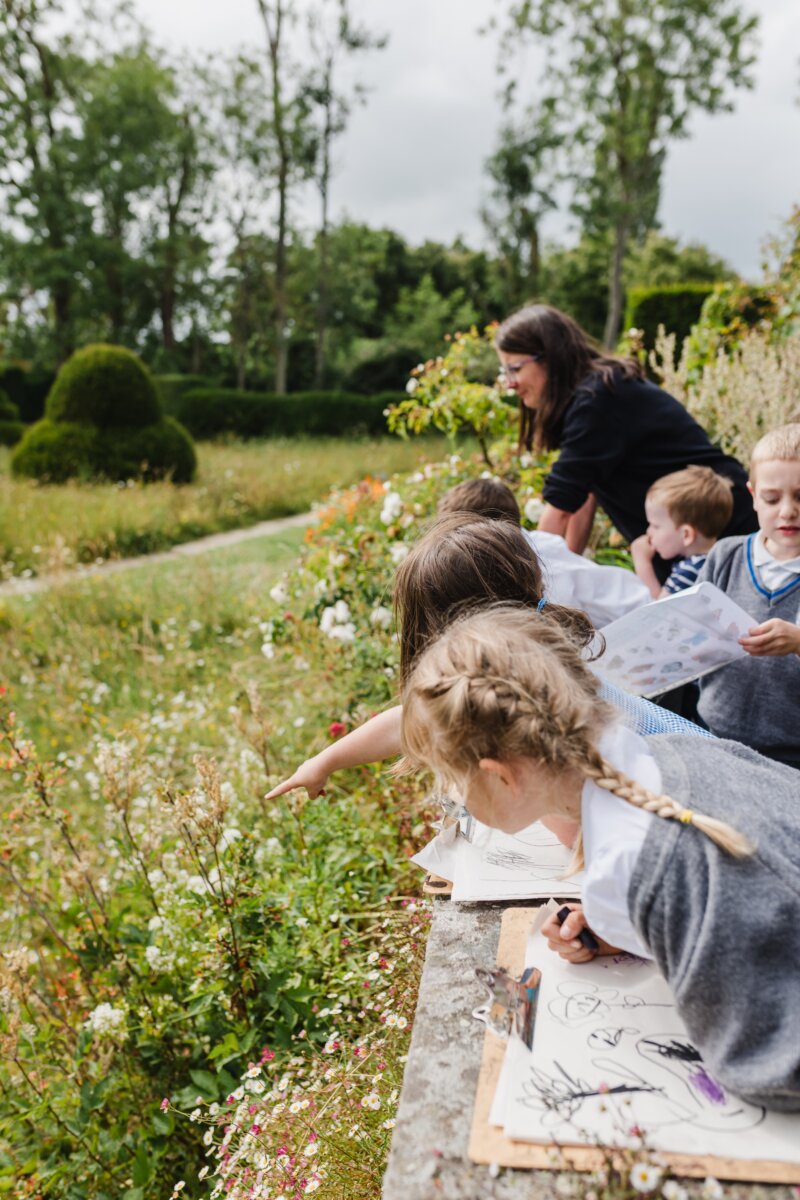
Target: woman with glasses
pixel 617 432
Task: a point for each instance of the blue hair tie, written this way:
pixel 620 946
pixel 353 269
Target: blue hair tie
pixel 541 604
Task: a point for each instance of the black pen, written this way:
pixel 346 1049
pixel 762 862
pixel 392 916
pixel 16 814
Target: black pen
pixel 585 937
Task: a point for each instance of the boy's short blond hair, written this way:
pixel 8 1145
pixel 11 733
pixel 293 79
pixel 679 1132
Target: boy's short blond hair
pixel 696 496
pixel 488 497
pixel 779 445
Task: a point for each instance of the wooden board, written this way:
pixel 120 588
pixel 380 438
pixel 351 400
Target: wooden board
pixel 488 1143
pixel 434 885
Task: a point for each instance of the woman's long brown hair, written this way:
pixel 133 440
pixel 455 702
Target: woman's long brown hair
pixel 569 355
pixel 465 562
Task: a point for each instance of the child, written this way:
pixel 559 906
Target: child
pixel 686 513
pixel 462 562
pixel 603 593
pixel 503 707
pixel 756 700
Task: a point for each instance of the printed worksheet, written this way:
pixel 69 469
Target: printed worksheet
pixel 673 641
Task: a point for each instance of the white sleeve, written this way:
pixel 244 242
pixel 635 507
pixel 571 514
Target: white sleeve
pixel 603 593
pixel 605 896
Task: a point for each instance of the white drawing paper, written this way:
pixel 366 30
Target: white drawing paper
pixel 673 641
pixel 610 1056
pixel 501 866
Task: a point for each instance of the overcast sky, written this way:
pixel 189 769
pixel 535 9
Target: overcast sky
pixel 412 158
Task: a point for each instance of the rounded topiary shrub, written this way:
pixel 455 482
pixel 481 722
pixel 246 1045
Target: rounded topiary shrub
pixel 105 386
pixel 163 450
pixel 104 420
pixel 54 452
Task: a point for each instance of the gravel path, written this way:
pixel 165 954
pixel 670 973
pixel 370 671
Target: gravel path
pixel 214 541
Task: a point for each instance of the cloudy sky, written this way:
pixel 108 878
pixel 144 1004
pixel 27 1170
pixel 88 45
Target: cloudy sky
pixel 412 158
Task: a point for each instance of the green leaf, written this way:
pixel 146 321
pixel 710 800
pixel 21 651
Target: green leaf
pixel 142 1168
pixel 206 1083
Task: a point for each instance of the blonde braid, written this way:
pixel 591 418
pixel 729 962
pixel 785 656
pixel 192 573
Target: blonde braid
pixel 606 776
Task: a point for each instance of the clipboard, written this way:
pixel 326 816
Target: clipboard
pixel 489 1145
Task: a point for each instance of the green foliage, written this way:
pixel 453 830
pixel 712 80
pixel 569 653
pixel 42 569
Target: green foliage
pixel 459 392
pixel 53 452
pixel 8 410
pixel 617 103
pixel 422 315
pixel 383 371
pixel 173 387
pixel 675 306
pixel 106 386
pixel 27 389
pixel 209 412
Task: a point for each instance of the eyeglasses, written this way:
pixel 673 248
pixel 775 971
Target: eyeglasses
pixel 512 370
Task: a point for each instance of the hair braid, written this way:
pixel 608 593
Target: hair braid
pixel 606 776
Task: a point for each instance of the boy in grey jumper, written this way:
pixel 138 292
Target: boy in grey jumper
pixel 756 700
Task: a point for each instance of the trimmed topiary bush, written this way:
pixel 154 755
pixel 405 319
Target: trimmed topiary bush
pixel 162 450
pixel 104 419
pixel 104 386
pixel 54 452
pixel 11 428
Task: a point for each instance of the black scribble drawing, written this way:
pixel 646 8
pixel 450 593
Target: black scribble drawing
pixel 577 1004
pixel 511 860
pixel 602 1039
pixel 714 1108
pixel 561 1095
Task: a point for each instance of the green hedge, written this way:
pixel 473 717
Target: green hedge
pixel 173 388
pixel 11 428
pixel 675 306
pixel 209 412
pixel 383 372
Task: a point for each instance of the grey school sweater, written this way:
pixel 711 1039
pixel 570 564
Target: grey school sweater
pixel 753 700
pixel 725 932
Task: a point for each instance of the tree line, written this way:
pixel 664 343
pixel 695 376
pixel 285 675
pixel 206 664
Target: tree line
pixel 151 202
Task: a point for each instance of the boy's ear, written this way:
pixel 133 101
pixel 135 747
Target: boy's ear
pixel 688 533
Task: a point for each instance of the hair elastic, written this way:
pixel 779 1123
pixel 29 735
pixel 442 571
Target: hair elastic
pixel 686 817
pixel 541 604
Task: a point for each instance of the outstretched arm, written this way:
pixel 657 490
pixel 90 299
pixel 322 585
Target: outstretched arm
pixel 377 739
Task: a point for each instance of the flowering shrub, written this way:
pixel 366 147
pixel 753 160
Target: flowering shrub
pixel 459 392
pixel 741 393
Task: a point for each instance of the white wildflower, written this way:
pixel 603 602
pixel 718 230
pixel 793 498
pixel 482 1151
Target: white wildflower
pixel 392 507
pixel 381 616
pixel 397 552
pixel 108 1022
pixel 533 509
pixel 645 1177
pixel 279 592
pixel 412 385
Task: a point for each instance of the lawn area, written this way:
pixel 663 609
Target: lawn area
pixel 238 483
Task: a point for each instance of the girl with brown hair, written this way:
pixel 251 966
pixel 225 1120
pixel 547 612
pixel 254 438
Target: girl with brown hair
pixel 617 432
pixel 463 562
pixel 502 707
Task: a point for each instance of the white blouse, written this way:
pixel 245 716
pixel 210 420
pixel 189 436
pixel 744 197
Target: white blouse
pixel 613 834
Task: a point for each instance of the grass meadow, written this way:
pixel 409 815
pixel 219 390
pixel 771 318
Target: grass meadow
pixel 48 528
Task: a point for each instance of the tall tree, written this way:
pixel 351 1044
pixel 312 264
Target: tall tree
pixel 624 79
pixel 289 109
pixel 524 176
pixel 333 35
pixel 40 191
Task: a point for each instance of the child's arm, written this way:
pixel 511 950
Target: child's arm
pixel 376 739
pixel 564 938
pixel 642 554
pixel 773 637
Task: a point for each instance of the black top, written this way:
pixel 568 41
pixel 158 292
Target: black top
pixel 617 441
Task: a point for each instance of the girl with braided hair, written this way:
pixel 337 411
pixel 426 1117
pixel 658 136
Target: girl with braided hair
pixel 465 561
pixel 691 847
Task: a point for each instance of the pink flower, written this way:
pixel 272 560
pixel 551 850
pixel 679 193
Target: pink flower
pixel 164 1105
pixel 336 729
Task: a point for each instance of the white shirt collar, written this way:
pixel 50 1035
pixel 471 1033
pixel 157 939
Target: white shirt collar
pixel 762 557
